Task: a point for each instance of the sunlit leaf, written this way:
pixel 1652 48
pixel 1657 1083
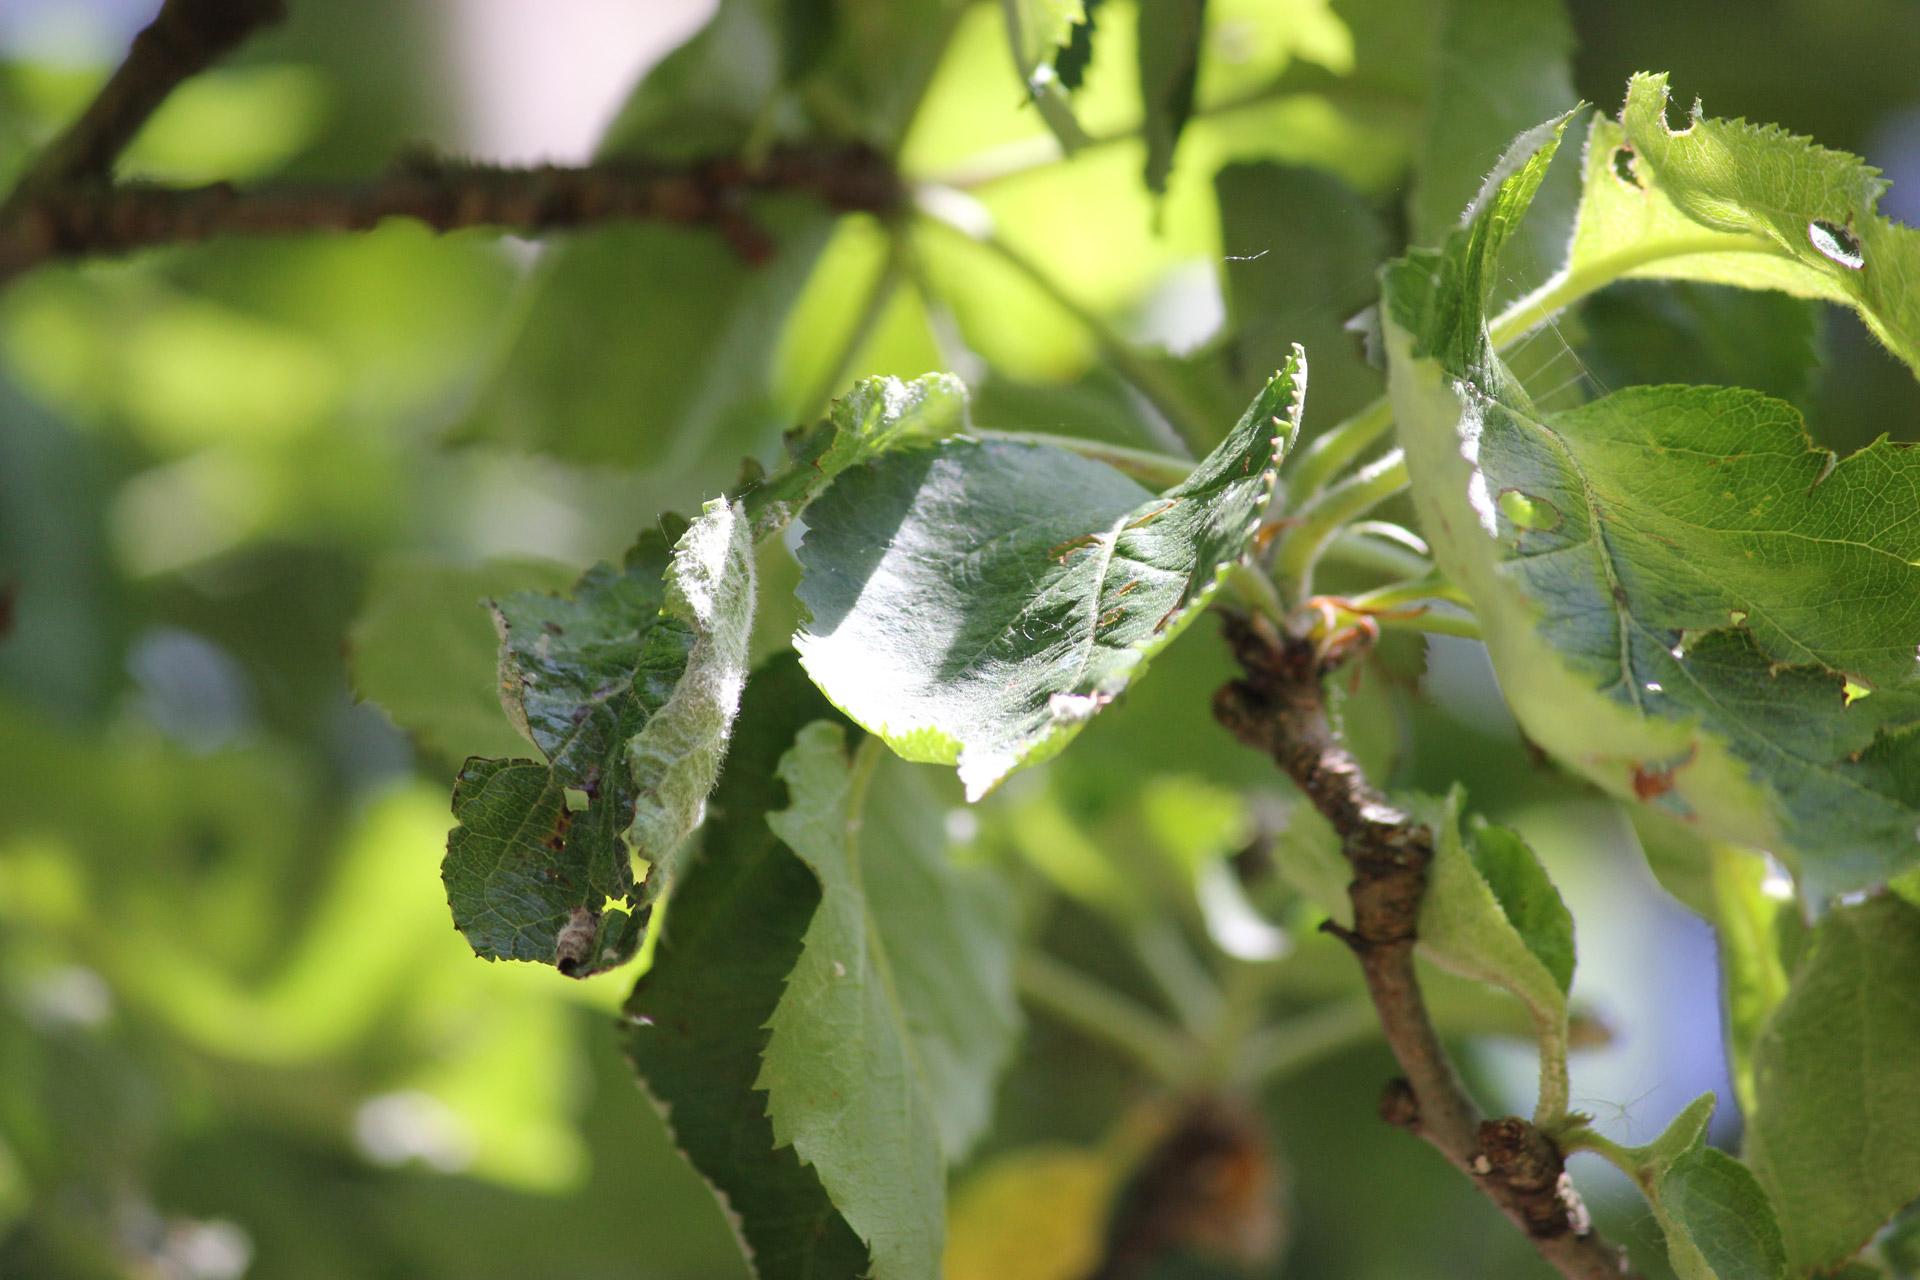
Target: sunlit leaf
pixel 978 602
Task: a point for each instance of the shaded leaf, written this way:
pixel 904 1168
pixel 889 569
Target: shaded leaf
pixel 628 687
pixel 978 602
pixel 1499 66
pixel 896 1019
pixel 1720 1224
pixel 648 345
pixel 1642 331
pixel 1170 43
pixel 1278 295
pixel 697 1017
pixel 1836 1136
pixel 1526 897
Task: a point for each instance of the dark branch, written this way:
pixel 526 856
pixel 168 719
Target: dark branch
pixel 93 220
pixel 1280 708
pixel 184 39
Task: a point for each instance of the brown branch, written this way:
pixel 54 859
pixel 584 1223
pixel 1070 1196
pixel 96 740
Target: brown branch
pixel 1280 708
pixel 67 207
pixel 94 220
pixel 184 39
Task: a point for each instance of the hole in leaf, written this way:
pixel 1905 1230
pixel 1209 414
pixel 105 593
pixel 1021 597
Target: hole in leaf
pixel 1623 167
pixel 1836 242
pixel 1738 617
pixel 1685 124
pixel 1855 691
pixel 1527 511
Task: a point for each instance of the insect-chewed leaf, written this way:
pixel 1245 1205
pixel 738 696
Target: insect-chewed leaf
pixel 1676 562
pixel 977 602
pixel 628 687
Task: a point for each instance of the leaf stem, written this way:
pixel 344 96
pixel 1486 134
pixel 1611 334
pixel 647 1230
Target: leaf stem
pixel 1106 1015
pixel 1365 544
pixel 1160 470
pixel 1319 461
pixel 1279 1050
pixel 1170 962
pixel 1568 287
pixel 1323 517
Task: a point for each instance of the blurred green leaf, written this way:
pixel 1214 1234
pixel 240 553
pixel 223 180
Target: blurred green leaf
pixel 1834 1138
pixel 1682 331
pixel 229 124
pixel 1753 974
pixel 995 659
pixel 425 652
pixel 1301 250
pixel 1170 45
pixel 919 958
pixel 698 1017
pixel 1501 66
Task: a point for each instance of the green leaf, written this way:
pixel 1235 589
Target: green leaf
pixel 697 1017
pixel 652 346
pixel 1499 66
pixel 423 650
pixel 1073 59
pixel 1645 331
pixel 1719 1222
pixel 1170 43
pixel 676 756
pixel 1753 974
pixel 1039 30
pixel 1526 897
pixel 628 687
pixel 1806 213
pixel 1835 1137
pixel 1677 576
pixel 978 602
pixel 898 1016
pixel 1489 912
pixel 878 414
pixel 1279 294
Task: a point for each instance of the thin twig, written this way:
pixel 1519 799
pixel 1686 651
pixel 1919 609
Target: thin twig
pixel 184 39
pixel 1279 707
pixel 94 220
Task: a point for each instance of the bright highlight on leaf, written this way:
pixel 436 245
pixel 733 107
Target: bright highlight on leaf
pixel 978 602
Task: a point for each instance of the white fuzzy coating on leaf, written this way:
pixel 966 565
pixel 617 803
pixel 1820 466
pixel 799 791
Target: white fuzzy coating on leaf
pixel 676 758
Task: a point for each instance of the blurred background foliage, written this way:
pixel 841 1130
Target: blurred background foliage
pixel 238 1034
